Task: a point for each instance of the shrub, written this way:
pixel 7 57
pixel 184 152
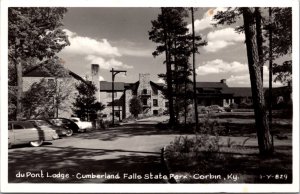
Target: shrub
pixel 245 105
pixel 195 146
pixel 129 118
pixel 228 109
pixel 233 106
pixel 135 106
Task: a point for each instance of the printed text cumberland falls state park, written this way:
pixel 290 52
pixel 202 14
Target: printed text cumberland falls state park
pixel 130 176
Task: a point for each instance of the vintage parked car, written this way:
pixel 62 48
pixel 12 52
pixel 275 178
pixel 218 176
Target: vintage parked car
pixel 83 125
pixel 43 124
pixel 203 110
pixel 24 132
pixel 215 108
pixel 65 123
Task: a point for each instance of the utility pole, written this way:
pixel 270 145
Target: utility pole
pixel 194 72
pixel 113 74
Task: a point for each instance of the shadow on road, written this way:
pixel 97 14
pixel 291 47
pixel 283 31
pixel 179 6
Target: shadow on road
pixel 128 130
pixel 72 160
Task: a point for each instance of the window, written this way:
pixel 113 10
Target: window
pixel 109 95
pixel 155 92
pixel 51 82
pixel 144 91
pixel 57 122
pixel 64 121
pixel 155 102
pixel 41 123
pixel 16 126
pixel 144 101
pixel 9 126
pixel 155 112
pixel 167 104
pixel 134 92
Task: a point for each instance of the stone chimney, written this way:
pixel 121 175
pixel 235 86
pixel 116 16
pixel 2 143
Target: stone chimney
pixel 223 81
pixel 96 80
pixel 144 79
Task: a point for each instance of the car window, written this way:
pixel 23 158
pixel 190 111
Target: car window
pixel 17 126
pixel 65 122
pixel 52 122
pixel 56 122
pixel 42 123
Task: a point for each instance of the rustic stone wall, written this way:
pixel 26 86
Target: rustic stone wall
pixel 106 97
pixel 144 80
pixel 96 80
pixel 128 97
pixel 161 103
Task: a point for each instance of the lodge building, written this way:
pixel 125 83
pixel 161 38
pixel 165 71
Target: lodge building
pixel 152 98
pixel 149 92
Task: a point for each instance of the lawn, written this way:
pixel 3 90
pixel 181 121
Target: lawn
pixel 235 157
pixel 242 161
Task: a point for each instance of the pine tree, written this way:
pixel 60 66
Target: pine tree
pixel 135 106
pixel 254 63
pixel 86 105
pixel 170 32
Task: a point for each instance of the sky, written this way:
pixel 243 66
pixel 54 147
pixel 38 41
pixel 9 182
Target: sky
pixel 118 38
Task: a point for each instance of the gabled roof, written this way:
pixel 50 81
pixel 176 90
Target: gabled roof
pixel 211 85
pixel 37 71
pixel 239 91
pixel 159 86
pixel 44 70
pixel 117 102
pixel 107 86
pixel 280 91
pixel 132 86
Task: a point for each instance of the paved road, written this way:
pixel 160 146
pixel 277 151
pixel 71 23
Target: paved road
pixel 123 154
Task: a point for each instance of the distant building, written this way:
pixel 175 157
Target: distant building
pixel 67 83
pixel 149 92
pixel 152 98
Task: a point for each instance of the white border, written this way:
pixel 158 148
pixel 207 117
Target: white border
pixel 147 188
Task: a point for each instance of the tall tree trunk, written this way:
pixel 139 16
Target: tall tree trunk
pixel 270 70
pixel 194 73
pixel 176 83
pixel 19 89
pixel 185 101
pixel 259 40
pixel 169 73
pixel 56 94
pixel 261 123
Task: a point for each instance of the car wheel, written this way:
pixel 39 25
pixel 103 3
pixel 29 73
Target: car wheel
pixel 36 143
pixel 69 132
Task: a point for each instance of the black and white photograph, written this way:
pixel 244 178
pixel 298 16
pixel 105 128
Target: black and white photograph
pixel 155 95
